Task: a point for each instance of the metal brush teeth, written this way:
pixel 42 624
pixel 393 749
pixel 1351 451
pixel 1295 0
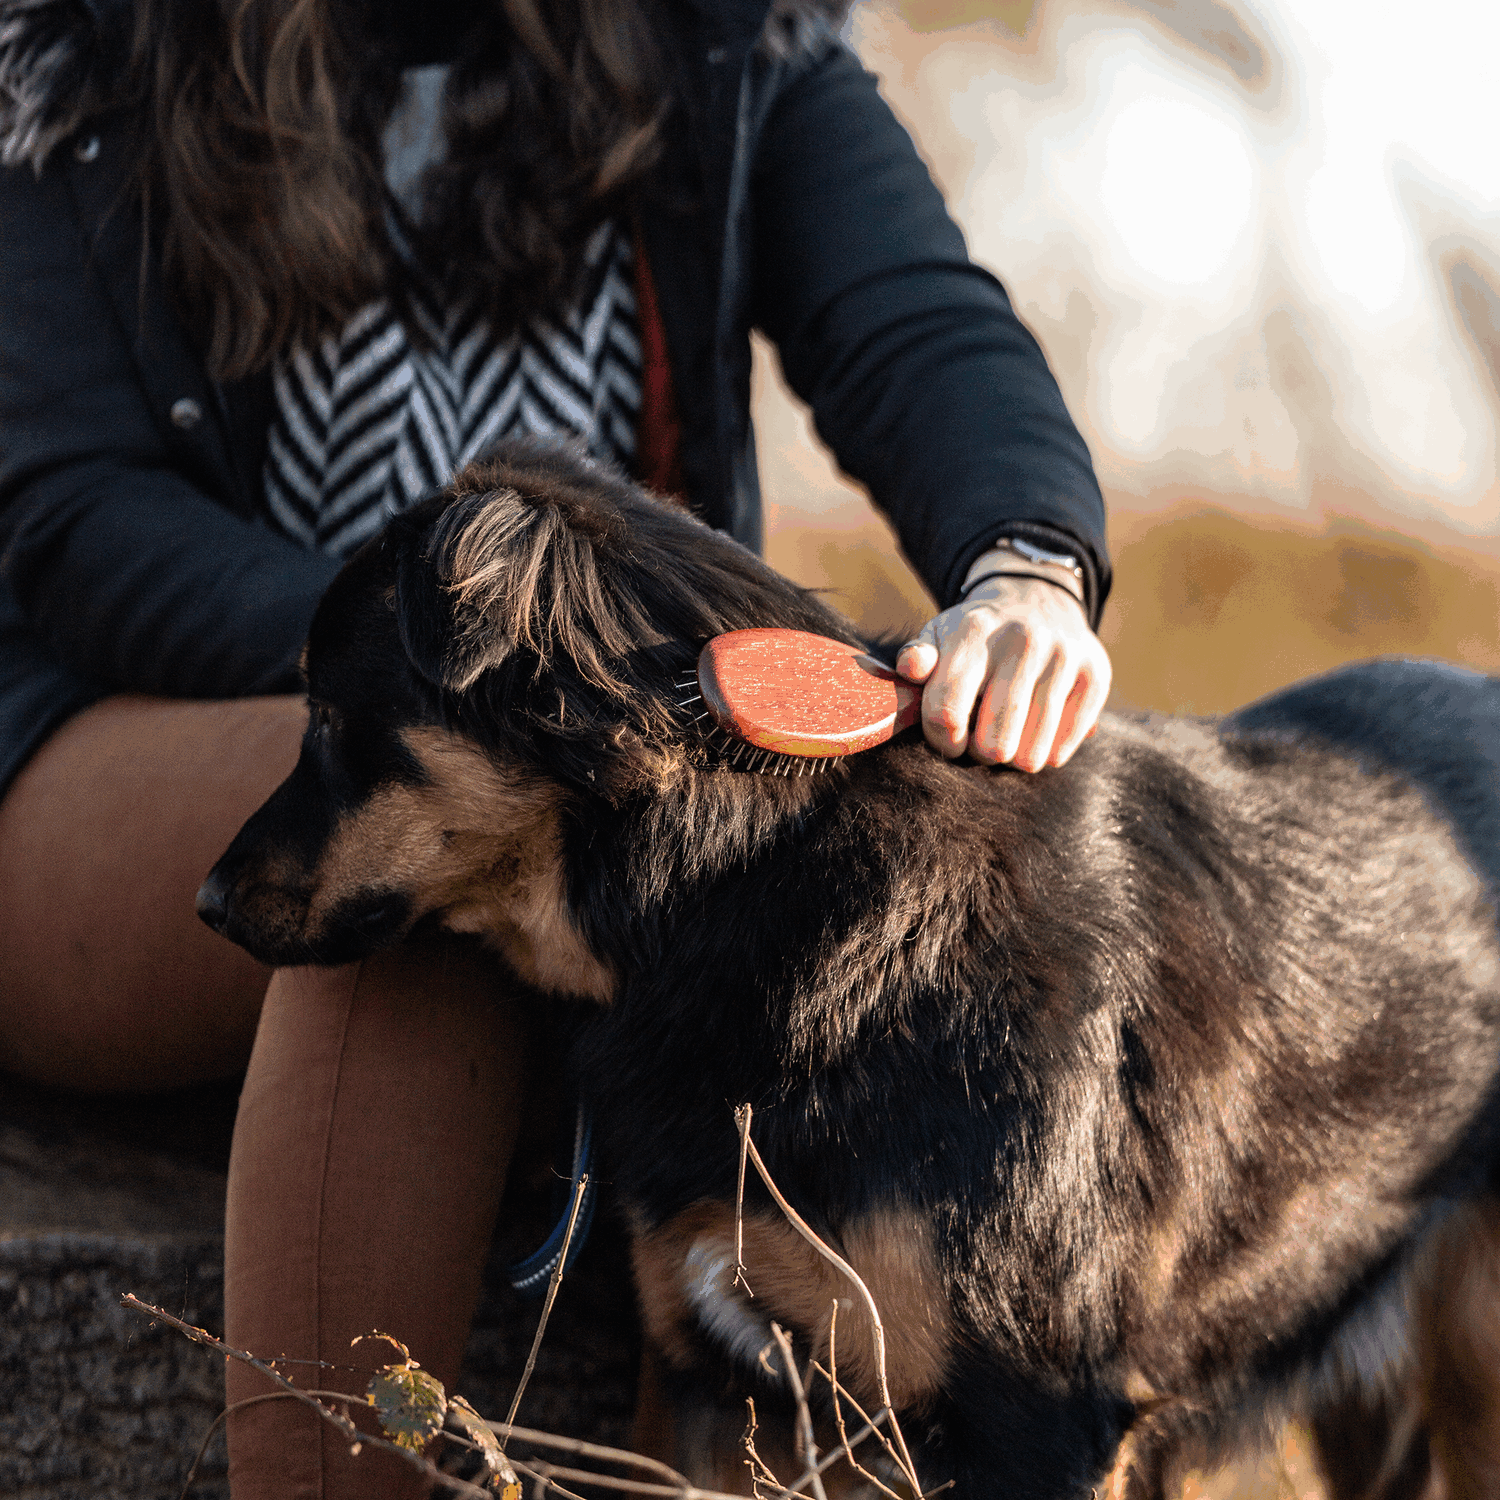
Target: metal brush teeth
pixel 737 754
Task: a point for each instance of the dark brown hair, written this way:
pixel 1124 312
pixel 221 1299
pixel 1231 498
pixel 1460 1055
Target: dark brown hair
pixel 261 168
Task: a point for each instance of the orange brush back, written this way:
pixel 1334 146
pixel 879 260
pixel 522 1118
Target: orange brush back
pixel 803 695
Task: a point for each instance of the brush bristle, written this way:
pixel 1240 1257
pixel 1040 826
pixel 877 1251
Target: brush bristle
pixel 737 754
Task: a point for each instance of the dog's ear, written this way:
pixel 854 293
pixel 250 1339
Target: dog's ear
pixel 497 570
pixel 449 645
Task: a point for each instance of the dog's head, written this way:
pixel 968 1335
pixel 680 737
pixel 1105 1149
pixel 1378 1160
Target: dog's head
pixel 494 669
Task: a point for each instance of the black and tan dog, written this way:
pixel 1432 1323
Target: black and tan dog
pixel 1154 1097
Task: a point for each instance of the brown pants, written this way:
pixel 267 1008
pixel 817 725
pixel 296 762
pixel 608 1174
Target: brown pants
pixel 381 1102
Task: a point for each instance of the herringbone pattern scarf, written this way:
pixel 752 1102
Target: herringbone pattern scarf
pixel 368 422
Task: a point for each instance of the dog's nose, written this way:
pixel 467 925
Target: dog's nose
pixel 213 901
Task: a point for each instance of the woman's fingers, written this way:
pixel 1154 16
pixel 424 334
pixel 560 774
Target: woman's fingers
pixel 1032 729
pixel 1020 669
pixel 1013 675
pixel 917 658
pixel 1085 704
pixel 965 665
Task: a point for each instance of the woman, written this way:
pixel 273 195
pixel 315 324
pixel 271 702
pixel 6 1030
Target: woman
pixel 271 269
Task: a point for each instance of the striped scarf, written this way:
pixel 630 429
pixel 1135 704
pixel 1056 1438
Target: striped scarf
pixel 368 423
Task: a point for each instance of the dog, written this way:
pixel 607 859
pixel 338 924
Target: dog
pixel 1153 1097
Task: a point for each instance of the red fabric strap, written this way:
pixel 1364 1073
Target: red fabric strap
pixel 658 434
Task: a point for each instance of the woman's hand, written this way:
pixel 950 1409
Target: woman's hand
pixel 1012 673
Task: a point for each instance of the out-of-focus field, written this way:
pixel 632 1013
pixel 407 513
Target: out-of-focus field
pixel 1299 457
pixel 1213 608
pixel 1213 604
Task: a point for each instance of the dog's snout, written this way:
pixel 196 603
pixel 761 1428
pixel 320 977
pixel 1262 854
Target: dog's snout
pixel 213 901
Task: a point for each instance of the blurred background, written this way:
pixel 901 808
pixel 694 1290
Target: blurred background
pixel 1259 241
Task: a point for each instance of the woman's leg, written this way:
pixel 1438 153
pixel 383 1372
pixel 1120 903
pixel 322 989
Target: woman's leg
pixel 108 980
pixel 374 1129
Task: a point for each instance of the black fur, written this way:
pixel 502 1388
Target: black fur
pixel 1184 1050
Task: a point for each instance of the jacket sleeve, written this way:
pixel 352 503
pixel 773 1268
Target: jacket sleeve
pixel 120 553
pixel 921 378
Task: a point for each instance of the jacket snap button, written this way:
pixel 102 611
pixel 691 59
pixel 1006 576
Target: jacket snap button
pixel 186 413
pixel 87 150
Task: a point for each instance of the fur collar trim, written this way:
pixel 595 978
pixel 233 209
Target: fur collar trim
pixel 59 61
pixel 795 27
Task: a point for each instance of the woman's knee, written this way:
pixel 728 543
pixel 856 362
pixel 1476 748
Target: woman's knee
pixel 416 1055
pixel 107 978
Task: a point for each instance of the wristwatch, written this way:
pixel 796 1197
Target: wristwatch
pixel 1034 554
pixel 1031 558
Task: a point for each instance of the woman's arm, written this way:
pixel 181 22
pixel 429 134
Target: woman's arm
pixel 933 394
pixel 112 536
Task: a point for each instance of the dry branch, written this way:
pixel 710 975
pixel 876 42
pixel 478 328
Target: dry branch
pixel 904 1461
pixel 544 1473
pixel 838 1407
pixel 668 1483
pixel 342 1423
pixel 580 1188
pixel 805 1436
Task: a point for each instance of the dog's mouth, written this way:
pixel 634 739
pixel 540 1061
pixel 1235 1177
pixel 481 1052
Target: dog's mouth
pixel 271 925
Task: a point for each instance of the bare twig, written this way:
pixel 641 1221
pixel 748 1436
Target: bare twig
pixel 807 1441
pixel 340 1396
pixel 630 1486
pixel 904 1460
pixel 545 1474
pixel 760 1471
pixel 838 1406
pixel 742 1119
pixel 578 1446
pixel 208 1437
pixel 544 1471
pixel 873 1423
pixel 828 1460
pixel 351 1434
pixel 818 1337
pixel 556 1281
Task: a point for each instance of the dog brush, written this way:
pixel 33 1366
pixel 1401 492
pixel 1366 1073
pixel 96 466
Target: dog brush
pixel 788 703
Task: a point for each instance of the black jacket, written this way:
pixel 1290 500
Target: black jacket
pixel 788 199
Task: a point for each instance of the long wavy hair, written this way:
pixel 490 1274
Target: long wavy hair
pixel 261 167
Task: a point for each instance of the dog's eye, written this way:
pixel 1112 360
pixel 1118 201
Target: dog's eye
pixel 322 719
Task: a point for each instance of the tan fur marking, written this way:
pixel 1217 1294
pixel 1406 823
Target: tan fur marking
pixel 1117 1483
pixel 657 1258
pixel 480 847
pixel 890 1248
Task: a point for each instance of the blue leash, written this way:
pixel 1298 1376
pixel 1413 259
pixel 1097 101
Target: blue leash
pixel 529 1277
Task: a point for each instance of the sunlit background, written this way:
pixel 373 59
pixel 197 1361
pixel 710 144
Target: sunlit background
pixel 1259 241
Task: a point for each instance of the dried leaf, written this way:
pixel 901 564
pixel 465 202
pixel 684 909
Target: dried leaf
pixel 468 1421
pixel 391 1339
pixel 411 1405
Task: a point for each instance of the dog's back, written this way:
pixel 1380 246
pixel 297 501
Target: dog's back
pixel 1434 724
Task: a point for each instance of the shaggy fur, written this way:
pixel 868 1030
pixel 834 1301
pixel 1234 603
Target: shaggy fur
pixel 1154 1095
